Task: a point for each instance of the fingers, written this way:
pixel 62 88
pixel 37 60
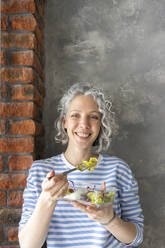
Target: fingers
pixel 55 186
pixel 79 205
pixel 91 210
pixel 50 174
pixel 59 188
pixel 51 181
pixel 97 214
pixel 87 209
pixel 61 192
pixel 103 186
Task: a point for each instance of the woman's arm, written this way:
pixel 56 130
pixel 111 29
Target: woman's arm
pixel 124 231
pixel 127 229
pixel 35 230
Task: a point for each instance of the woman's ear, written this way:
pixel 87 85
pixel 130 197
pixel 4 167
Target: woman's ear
pixel 64 122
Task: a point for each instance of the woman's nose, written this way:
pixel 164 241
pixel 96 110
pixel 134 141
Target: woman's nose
pixel 84 122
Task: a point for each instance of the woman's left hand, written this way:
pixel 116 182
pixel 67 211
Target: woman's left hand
pixel 101 215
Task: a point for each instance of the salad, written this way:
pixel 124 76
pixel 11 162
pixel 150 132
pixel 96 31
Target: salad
pixel 90 196
pixel 89 165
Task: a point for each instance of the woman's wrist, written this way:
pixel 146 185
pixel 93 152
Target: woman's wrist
pixel 110 220
pixel 45 199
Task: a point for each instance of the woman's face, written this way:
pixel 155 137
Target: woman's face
pixel 82 121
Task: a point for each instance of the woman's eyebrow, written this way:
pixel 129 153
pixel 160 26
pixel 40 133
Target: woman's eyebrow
pixel 75 110
pixel 92 111
pixel 95 112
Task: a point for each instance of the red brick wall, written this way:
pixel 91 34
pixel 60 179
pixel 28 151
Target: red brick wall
pixel 21 102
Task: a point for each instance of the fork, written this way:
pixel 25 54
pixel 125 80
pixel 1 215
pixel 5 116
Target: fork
pixel 76 168
pixel 84 165
pixel 67 172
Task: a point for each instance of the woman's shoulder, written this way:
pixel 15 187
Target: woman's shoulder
pixel 117 162
pixel 52 159
pixel 121 169
pixel 107 157
pixel 46 164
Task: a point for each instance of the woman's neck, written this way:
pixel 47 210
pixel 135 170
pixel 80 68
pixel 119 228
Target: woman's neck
pixel 75 157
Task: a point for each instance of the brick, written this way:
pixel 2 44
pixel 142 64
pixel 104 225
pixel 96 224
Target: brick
pixel 26 92
pixel 21 109
pixel 19 92
pixel 41 52
pixel 12 181
pixel 41 86
pixel 40 35
pixel 1 234
pixel 2 127
pixel 15 198
pixel 41 8
pixel 27 58
pixel 25 127
pixel 23 22
pixel 38 99
pixel 9 246
pixel 3 200
pixel 2 57
pixel 12 75
pixel 12 234
pixel 39 67
pixel 17 6
pixel 4 22
pixel 23 58
pixel 3 91
pixel 16 145
pixel 10 216
pixel 20 162
pixel 1 163
pixel 22 92
pixel 18 40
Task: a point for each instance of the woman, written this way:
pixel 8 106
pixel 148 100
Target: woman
pixel 84 125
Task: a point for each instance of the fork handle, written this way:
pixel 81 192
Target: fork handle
pixel 68 171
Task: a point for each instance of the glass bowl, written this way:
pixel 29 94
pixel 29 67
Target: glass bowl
pixel 90 196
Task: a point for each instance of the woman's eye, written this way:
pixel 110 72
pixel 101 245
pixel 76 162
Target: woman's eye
pixel 95 117
pixel 74 115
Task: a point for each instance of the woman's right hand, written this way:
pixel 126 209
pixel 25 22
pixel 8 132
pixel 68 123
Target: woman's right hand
pixel 54 186
pixel 35 230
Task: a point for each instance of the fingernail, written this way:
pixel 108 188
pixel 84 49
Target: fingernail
pixel 51 174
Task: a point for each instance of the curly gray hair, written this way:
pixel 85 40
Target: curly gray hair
pixel 107 116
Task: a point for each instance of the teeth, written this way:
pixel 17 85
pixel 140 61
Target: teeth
pixel 82 135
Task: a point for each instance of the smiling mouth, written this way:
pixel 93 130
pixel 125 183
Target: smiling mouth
pixel 83 135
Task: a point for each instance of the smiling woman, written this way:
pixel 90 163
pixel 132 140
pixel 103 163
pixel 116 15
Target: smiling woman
pixel 85 126
pixel 101 111
pixel 82 123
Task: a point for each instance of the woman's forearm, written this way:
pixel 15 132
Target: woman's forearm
pixel 124 231
pixel 34 233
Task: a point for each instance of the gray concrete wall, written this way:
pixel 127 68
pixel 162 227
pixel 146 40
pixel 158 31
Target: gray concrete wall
pixel 119 45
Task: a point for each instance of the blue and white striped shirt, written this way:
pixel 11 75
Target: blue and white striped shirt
pixel 69 226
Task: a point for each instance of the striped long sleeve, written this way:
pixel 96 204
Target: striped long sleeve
pixel 70 227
